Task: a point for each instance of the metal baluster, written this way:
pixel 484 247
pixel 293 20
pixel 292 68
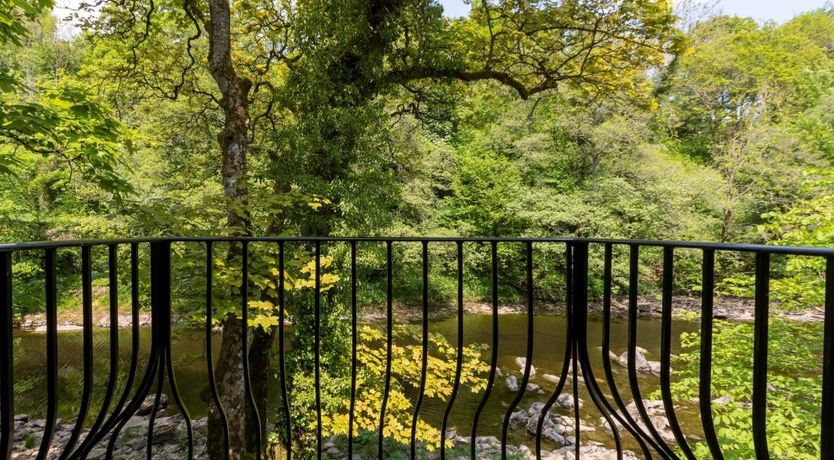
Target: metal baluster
pixel 622 416
pixel 157 398
pixel 98 429
pixel 389 317
pixel 161 307
pixel 705 371
pixel 87 352
pixel 566 360
pixel 633 283
pixel 247 378
pixel 317 346
pixel 827 410
pixel 493 360
pixel 51 353
pixel 424 352
pixel 353 344
pixel 666 351
pixel 577 432
pixel 221 412
pixel 172 384
pixel 525 377
pixel 760 327
pixel 458 357
pixel 134 338
pixel 281 352
pixel 6 357
pixel 579 307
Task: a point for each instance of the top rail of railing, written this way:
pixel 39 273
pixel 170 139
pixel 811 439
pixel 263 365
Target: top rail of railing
pixel 736 247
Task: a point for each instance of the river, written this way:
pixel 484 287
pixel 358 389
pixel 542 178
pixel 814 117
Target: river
pixel 191 373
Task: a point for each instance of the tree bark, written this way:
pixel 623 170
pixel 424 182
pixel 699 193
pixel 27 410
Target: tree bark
pixel 234 143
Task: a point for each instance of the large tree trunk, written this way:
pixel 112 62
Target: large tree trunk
pixel 234 142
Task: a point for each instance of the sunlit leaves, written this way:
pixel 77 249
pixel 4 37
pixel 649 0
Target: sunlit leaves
pixel 405 376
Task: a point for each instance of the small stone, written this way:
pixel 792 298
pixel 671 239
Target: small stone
pixel 147 404
pixel 521 362
pixel 512 383
pixel 726 399
pixel 533 388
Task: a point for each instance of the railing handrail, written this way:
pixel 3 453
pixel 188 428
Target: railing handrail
pixel 736 247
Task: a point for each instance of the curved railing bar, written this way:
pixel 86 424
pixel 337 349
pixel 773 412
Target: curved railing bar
pixel 705 371
pixel 760 327
pixel 317 345
pixel 528 354
pixel 172 383
pixel 569 344
pixel 493 360
pixel 51 353
pixel 458 356
pixel 666 352
pixel 625 417
pixel 215 396
pixel 141 393
pixel 634 262
pixel 87 350
pixel 156 400
pixel 354 339
pixel 281 352
pixel 827 406
pixel 6 357
pixel 244 324
pixel 389 326
pixel 424 352
pixel 578 310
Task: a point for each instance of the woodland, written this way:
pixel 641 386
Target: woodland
pixel 638 119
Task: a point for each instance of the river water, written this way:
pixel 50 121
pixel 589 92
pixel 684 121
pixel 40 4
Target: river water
pixel 191 373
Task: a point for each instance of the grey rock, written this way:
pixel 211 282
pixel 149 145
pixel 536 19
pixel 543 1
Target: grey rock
pixel 512 383
pixel 147 404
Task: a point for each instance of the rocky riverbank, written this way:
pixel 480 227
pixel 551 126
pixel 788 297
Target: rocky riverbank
pixel 169 440
pixel 727 308
pixel 37 322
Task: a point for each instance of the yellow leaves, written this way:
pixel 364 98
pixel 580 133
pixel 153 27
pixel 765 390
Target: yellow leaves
pixel 263 321
pixel 406 364
pixel 327 280
pixel 261 305
pixel 316 202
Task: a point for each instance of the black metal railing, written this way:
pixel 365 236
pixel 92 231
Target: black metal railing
pixel 146 376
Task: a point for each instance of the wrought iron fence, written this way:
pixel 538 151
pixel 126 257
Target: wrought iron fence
pixel 146 377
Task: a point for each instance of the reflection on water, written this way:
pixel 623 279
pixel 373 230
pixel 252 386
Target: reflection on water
pixel 188 348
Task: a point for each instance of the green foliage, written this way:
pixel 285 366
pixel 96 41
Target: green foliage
pixel 794 352
pixel 809 222
pixel 484 191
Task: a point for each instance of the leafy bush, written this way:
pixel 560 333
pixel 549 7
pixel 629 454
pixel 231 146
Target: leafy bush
pixel 794 382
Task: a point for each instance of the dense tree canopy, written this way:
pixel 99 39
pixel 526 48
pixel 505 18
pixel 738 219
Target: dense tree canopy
pixel 597 118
